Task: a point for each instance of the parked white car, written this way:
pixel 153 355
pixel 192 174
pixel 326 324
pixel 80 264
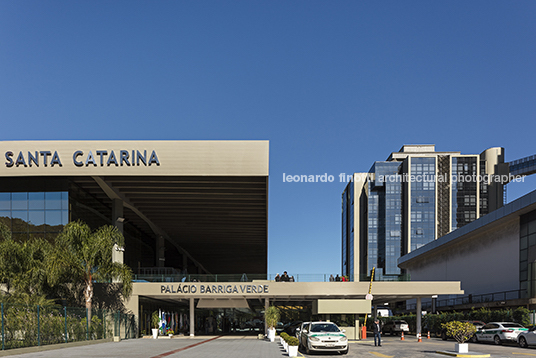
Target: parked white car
pixel 527 338
pixel 499 332
pixel 395 327
pixel 298 331
pixel 323 337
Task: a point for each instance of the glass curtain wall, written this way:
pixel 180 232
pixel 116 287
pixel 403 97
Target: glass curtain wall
pixel 350 220
pixel 344 218
pixel 34 214
pixel 423 218
pixel 348 231
pixel 464 191
pixel 527 255
pixel 373 218
pixel 385 218
pixel 484 193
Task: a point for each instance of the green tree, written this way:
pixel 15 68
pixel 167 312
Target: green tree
pixel 10 262
pixel 5 233
pixel 23 268
pixel 84 257
pixel 271 316
pixel 461 331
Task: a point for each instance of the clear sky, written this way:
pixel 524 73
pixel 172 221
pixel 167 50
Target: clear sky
pixel 333 85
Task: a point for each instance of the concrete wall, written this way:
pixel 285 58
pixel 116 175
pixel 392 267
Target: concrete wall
pixel 226 158
pixel 341 307
pixel 485 263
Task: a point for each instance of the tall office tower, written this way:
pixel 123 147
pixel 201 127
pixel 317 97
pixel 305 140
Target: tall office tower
pixel 414 197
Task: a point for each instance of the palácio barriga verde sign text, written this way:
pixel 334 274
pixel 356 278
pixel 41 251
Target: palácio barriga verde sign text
pixel 223 289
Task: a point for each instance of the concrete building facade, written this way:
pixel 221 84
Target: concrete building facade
pixel 493 257
pixel 414 197
pixel 194 218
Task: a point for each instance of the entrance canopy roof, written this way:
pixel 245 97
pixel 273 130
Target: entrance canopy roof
pixel 296 293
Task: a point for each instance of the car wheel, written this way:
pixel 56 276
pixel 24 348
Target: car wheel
pixel 497 340
pixel 523 342
pixel 392 333
pixel 345 351
pixel 444 336
pixel 474 339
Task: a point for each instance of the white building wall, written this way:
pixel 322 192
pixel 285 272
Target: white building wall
pixel 485 263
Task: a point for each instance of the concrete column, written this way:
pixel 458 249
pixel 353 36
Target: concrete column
pixel 133 305
pixel 418 312
pixel 117 214
pixel 117 220
pixel 266 305
pixel 328 318
pixel 192 318
pixel 160 252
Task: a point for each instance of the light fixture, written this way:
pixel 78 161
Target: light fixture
pixel 120 220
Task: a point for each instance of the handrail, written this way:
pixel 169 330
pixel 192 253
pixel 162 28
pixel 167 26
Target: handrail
pixel 245 277
pixel 469 299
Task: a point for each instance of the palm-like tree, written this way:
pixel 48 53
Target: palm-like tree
pixel 83 256
pixel 10 260
pixel 5 233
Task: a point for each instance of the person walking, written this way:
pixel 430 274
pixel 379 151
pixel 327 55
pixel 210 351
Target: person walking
pixel 377 331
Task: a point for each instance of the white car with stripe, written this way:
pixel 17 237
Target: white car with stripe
pixel 323 337
pixel 499 332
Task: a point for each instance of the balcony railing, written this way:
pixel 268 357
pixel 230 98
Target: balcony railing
pixel 166 276
pixel 472 299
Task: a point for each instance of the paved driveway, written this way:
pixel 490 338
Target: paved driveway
pixel 238 347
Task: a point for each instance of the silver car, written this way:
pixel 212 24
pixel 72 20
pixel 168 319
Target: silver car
pixel 395 327
pixel 527 338
pixel 323 337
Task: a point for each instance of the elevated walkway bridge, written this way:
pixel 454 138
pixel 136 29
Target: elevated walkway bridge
pixel 523 166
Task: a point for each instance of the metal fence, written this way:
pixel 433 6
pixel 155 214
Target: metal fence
pixel 471 299
pixel 28 326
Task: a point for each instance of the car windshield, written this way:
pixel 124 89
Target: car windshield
pixel 324 327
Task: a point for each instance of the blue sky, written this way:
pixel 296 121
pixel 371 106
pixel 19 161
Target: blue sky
pixel 333 85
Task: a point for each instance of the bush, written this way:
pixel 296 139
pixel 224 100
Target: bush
pixel 293 341
pixel 155 319
pixel 460 331
pixel 433 322
pixel 271 316
pixel 522 316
